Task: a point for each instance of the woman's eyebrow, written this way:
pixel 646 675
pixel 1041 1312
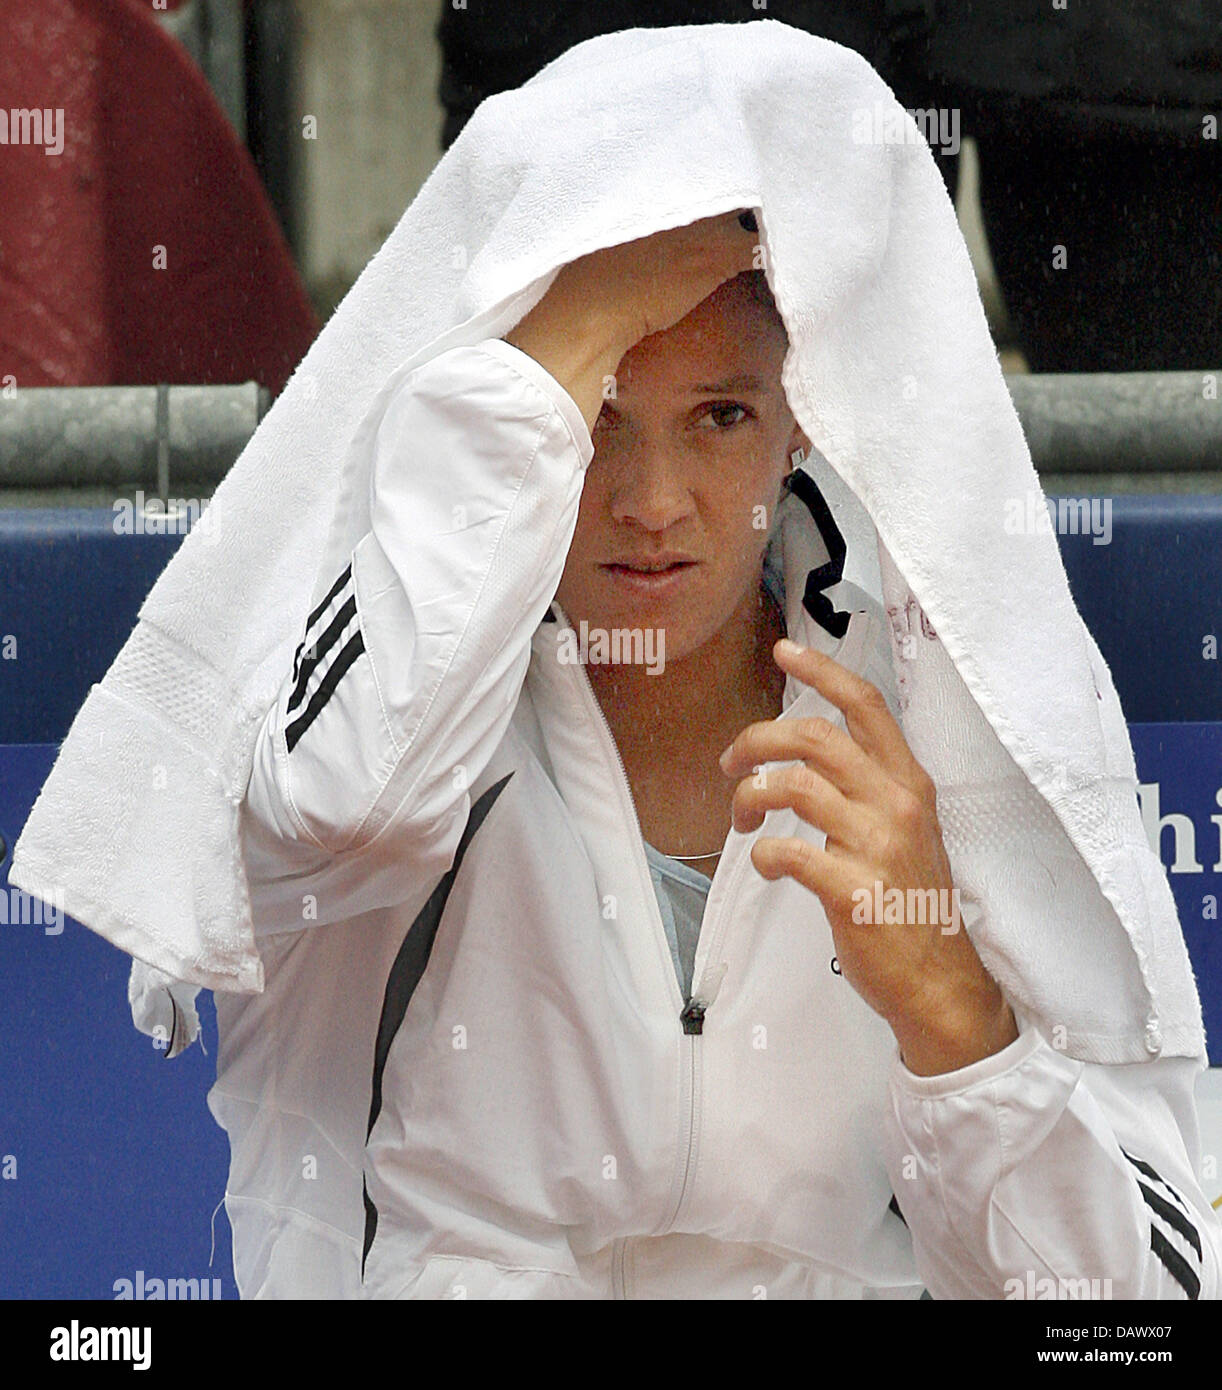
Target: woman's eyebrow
pixel 742 381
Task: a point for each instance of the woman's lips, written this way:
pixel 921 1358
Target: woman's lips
pixel 650 582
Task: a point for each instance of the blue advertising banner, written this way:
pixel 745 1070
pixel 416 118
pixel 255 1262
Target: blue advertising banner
pixel 1179 772
pixel 111 1165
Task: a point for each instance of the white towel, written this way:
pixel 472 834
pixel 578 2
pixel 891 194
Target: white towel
pixel 891 372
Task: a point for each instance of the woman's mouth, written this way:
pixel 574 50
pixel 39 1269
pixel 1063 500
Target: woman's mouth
pixel 649 577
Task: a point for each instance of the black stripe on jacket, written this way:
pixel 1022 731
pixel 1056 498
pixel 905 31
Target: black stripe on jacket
pixel 320 648
pixel 405 974
pixel 1175 1214
pixel 821 577
pixel 326 688
pixel 317 613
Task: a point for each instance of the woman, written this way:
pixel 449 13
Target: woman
pixel 586 1081
pixel 497 1041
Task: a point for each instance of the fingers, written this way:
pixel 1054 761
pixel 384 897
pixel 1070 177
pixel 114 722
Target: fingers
pixel 744 242
pixel 820 745
pixel 832 880
pixel 869 721
pixel 802 790
pixel 659 278
pixel 721 244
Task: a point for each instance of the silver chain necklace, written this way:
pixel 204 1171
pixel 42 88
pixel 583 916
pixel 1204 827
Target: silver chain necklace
pixel 716 852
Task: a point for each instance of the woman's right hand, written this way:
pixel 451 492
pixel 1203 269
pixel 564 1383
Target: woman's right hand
pixel 602 304
pixel 646 286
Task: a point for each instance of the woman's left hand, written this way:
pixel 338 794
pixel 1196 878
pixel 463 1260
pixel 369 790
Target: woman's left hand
pixel 877 806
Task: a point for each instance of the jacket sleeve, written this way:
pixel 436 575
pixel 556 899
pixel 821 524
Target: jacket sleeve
pixel 408 670
pixel 1031 1174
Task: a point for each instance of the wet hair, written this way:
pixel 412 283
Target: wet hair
pixel 757 283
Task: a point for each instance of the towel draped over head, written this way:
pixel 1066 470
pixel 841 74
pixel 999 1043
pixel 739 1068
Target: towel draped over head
pixel 893 376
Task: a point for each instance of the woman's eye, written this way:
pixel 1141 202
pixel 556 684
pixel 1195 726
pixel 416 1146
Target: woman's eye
pixel 723 417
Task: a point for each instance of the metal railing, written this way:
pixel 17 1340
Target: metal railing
pixel 125 436
pixel 1139 423
pixel 1121 422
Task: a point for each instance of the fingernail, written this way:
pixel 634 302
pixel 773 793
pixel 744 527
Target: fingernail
pixel 789 646
pixel 725 757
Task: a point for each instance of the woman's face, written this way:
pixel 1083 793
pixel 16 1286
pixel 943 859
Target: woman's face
pixel 688 461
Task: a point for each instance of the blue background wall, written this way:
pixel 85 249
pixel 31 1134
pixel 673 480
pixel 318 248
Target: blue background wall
pixel 119 1162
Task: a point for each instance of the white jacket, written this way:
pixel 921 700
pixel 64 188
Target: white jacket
pixel 468 1075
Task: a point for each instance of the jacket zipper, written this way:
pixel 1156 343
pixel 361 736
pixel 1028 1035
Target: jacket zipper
pixel 692 1019
pixel 617 1268
pixel 695 1008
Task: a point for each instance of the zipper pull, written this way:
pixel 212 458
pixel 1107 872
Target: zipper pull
pixel 698 1005
pixel 692 1017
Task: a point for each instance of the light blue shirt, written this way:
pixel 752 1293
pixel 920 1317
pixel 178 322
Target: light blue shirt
pixel 682 892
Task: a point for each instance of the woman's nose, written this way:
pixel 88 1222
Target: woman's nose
pixel 649 489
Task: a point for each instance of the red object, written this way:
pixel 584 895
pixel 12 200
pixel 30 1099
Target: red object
pixel 148 160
